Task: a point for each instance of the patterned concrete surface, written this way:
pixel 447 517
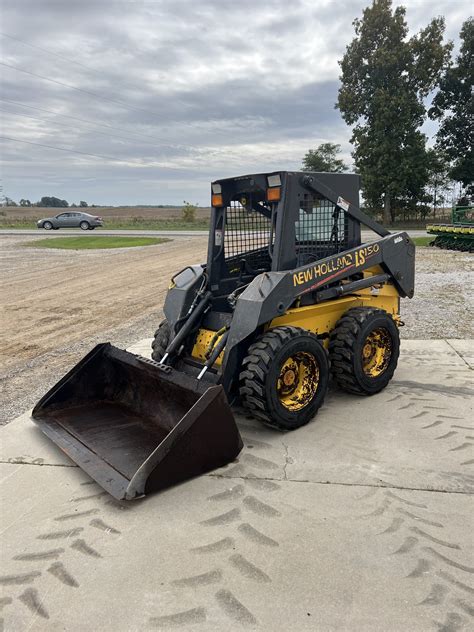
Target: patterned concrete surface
pixel 362 520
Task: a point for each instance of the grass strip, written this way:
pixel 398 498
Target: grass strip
pixel 95 243
pixel 423 241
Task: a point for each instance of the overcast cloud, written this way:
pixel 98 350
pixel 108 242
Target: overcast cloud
pixel 187 91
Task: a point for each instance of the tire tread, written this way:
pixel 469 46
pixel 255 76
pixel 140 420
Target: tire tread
pixel 342 343
pixel 256 366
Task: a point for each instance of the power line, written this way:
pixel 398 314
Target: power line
pixel 94 94
pixel 75 151
pixel 67 59
pixel 105 125
pixel 88 92
pixel 37 118
pixel 75 118
pixel 50 52
pixel 89 68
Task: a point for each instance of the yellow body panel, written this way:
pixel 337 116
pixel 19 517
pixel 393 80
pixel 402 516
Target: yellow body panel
pixel 202 343
pixel 320 318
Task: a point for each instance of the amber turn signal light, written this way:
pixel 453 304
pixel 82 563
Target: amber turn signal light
pixel 217 200
pixel 273 194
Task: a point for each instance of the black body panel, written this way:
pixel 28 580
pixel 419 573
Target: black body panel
pixel 136 426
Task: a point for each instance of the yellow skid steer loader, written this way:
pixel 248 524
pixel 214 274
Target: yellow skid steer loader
pixel 288 295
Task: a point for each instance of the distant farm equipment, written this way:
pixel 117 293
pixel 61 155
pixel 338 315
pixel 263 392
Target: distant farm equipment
pixel 459 234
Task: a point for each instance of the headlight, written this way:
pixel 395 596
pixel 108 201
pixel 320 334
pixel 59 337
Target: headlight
pixel 274 180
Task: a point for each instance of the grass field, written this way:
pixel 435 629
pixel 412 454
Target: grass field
pixel 422 241
pixel 115 218
pixel 95 243
pixel 138 218
pixel 134 223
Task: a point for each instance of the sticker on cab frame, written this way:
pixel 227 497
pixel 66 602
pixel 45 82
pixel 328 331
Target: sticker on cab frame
pixel 344 204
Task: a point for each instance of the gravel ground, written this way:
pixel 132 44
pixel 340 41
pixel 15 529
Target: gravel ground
pixel 444 296
pixel 50 319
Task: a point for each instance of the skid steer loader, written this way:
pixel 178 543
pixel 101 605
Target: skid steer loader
pixel 288 295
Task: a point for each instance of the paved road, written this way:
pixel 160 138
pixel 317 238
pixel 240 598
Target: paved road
pixel 141 233
pixel 361 520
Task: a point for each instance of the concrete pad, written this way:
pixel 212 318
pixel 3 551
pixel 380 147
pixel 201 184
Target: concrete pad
pixel 465 348
pixel 361 520
pixel 22 442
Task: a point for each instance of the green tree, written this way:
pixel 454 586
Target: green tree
pixel 439 180
pixel 189 211
pixel 83 204
pixel 453 105
pixel 24 202
pixel 53 201
pixel 324 158
pixel 385 78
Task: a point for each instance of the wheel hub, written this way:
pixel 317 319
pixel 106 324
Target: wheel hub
pixel 367 351
pixel 376 352
pixel 289 377
pixel 298 381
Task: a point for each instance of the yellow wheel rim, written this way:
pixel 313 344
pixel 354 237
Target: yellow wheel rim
pixel 376 352
pixel 298 381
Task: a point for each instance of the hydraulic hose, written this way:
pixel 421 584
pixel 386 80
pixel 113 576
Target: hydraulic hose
pixel 213 341
pixel 178 340
pixel 215 354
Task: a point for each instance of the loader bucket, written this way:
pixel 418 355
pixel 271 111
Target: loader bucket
pixel 136 426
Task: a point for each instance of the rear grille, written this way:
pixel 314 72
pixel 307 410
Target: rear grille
pixel 321 230
pixel 247 235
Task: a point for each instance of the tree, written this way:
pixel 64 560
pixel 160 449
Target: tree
pixel 453 105
pixel 324 158
pixel 24 202
pixel 53 201
pixel 385 77
pixel 189 211
pixel 83 204
pixel 439 180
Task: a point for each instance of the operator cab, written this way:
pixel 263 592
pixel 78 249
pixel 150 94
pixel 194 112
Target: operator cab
pixel 273 222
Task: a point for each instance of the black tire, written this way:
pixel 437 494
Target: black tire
pixel 363 350
pixel 84 225
pixel 47 225
pixel 263 389
pixel 161 341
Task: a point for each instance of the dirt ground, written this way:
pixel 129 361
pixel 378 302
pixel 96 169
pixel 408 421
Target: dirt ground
pixel 57 304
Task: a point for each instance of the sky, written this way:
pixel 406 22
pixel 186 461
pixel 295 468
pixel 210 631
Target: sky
pixel 159 97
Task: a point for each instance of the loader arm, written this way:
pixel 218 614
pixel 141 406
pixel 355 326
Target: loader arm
pixel 311 183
